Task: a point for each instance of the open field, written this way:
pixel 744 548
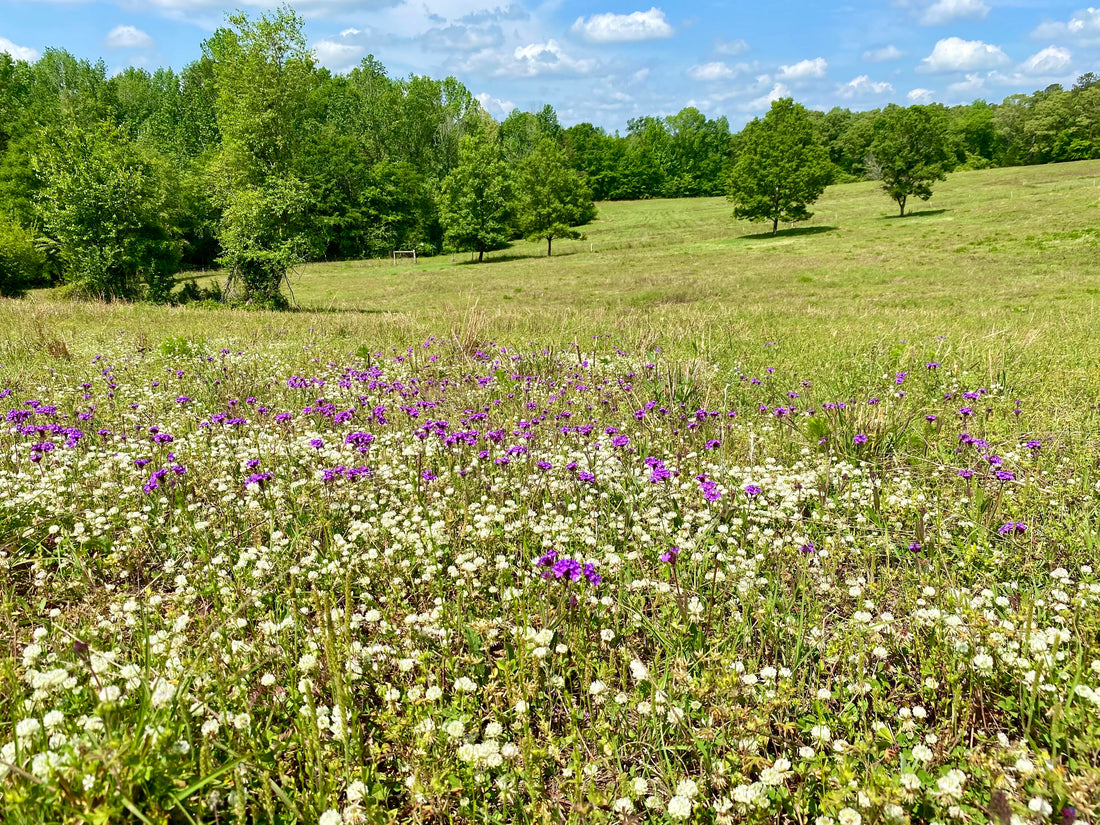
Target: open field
pixel 691 526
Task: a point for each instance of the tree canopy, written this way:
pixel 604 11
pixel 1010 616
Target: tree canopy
pixel 551 199
pixel 909 152
pixel 781 167
pixel 476 200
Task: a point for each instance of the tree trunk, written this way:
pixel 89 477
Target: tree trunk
pixel 549 241
pixel 775 226
pixel 901 202
pixel 480 255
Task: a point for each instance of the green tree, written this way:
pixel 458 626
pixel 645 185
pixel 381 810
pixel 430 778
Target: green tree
pixel 107 205
pixel 781 167
pixel 475 202
pixel 910 151
pixel 551 198
pixel 265 80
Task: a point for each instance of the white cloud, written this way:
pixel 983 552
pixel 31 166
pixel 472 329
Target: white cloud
pixel 973 83
pixel 731 48
pixel 953 54
pixel 920 96
pixel 764 101
pixel 336 56
pixel 862 86
pixel 494 105
pixel 350 32
pixel 127 37
pixel 640 75
pixel 624 28
pixel 804 69
pixel 883 55
pixel 18 52
pixel 711 71
pixel 536 59
pixel 947 11
pixel 1050 61
pixel 1083 27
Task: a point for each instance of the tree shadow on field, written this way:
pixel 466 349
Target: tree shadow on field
pixel 924 213
pixel 788 233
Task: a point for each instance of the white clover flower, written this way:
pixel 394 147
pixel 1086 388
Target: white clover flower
pixel 909 781
pixel 1025 765
pixel 267 680
pixel 623 806
pixel 53 719
pixel 806 752
pixel 1040 806
pixel 25 728
pixel 607 635
pixel 687 788
pixel 357 790
pixel 454 729
pixel 821 733
pixel 983 663
pixel 596 688
pixel 162 693
pixel 950 786
pixel 242 721
pixel 922 753
pixel 638 670
pixel 849 816
pixel 306 663
pixel 331 817
pixel 640 786
pixel 464 684
pixel 433 693
pixel 493 730
pixel 679 807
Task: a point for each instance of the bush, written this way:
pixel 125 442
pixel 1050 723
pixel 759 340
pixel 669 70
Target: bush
pixel 21 264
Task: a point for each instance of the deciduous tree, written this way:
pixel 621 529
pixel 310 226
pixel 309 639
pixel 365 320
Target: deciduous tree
pixel 475 204
pixel 551 198
pixel 910 150
pixel 781 167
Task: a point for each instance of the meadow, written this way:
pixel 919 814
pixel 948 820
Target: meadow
pixel 684 524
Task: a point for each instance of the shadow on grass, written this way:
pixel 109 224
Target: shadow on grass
pixel 924 213
pixel 789 233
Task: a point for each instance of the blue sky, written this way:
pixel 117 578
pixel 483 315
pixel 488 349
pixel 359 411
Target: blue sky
pixel 610 61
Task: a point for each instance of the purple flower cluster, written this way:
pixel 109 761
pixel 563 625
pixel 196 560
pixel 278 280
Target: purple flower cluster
pixel 1011 527
pixel 709 488
pixel 567 568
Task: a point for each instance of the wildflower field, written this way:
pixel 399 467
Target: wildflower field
pixel 324 568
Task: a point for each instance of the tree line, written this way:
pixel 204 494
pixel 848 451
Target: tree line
pixel 253 158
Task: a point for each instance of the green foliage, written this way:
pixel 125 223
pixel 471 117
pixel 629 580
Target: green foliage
pixel 107 205
pixel 910 151
pixel 265 77
pixel 476 200
pixel 551 198
pixel 781 167
pixel 261 239
pixel 21 262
